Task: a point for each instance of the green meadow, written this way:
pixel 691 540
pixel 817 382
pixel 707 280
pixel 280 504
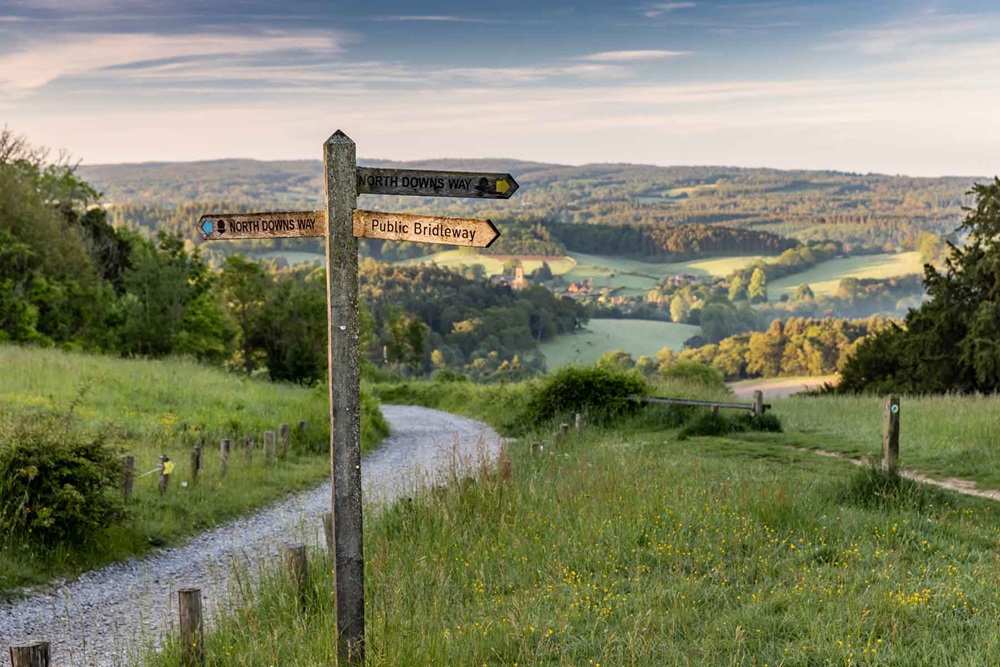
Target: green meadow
pixel 635 545
pixel 638 337
pixel 150 408
pixel 824 278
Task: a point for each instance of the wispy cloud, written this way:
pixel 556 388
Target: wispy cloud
pixel 434 18
pixel 632 56
pixel 660 8
pixel 41 62
pixel 916 35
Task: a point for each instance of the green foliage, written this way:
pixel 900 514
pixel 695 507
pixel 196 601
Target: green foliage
pixel 707 423
pixel 58 486
pixel 691 372
pixel 600 393
pixel 950 342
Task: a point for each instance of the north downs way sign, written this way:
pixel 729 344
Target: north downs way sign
pixel 341 223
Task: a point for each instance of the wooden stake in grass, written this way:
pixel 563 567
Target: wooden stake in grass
pixel 579 423
pixel 302 426
pixel 32 654
pixel 890 434
pixel 165 468
pixel 248 448
pixel 758 404
pixel 224 449
pixel 269 446
pixel 283 435
pixel 128 476
pixel 192 627
pixel 563 431
pixel 195 463
pixel 294 556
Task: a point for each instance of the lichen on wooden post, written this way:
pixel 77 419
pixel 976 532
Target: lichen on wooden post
pixel 164 474
pixel 283 439
pixel 128 476
pixel 191 627
pixel 31 654
pixel 294 556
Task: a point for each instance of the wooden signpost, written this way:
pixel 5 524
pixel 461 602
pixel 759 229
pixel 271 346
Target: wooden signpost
pixel 342 224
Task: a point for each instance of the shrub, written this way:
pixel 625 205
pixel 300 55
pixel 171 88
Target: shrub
pixel 600 393
pixel 708 423
pixel 57 485
pixel 692 372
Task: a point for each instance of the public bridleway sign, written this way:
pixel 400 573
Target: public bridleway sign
pixel 342 224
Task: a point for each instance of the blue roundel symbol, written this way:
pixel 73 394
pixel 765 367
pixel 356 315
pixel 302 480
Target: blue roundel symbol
pixel 895 409
pixel 207 227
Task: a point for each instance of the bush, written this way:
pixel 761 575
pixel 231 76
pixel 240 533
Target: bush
pixel 600 393
pixel 709 423
pixel 57 486
pixel 692 372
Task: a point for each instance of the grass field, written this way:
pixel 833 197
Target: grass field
pixel 638 337
pixel 149 408
pixel 635 547
pixel 824 278
pixel 492 264
pixel 945 436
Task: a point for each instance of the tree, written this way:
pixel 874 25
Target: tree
pixel 804 293
pixel 616 360
pixel 950 343
pixel 737 289
pixel 680 309
pixel 758 286
pixel 245 285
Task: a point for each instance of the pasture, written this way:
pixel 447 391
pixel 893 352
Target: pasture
pixel 825 277
pixel 638 337
pixel 632 546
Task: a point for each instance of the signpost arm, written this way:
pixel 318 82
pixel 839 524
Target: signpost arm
pixel 345 386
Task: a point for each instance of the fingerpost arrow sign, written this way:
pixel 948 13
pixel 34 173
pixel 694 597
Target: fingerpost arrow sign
pixel 235 226
pixel 419 183
pixel 425 229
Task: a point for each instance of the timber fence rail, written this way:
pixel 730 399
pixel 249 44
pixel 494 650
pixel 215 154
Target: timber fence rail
pixel 757 407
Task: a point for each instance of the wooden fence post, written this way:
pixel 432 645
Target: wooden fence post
pixel 758 404
pixel 328 531
pixel 32 654
pixel 195 463
pixel 269 446
pixel 248 448
pixel 128 476
pixel 890 434
pixel 294 556
pixel 302 426
pixel 579 422
pixel 192 627
pixel 563 431
pixel 224 448
pixel 283 435
pixel 164 475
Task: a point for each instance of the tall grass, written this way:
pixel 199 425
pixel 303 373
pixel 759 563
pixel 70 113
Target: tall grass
pixel 150 408
pixel 629 547
pixel 947 436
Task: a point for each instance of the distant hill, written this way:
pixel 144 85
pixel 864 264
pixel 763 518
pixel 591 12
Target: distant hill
pixel 859 209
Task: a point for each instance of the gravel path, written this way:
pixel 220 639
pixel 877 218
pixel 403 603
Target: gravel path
pixel 96 618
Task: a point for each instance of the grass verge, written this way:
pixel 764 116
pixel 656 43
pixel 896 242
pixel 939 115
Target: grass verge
pixel 149 408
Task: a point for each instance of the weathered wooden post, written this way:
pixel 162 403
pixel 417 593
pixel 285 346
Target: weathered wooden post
pixel 890 434
pixel 224 448
pixel 302 426
pixel 191 626
pixel 294 556
pixel 164 473
pixel 758 404
pixel 283 437
pixel 563 431
pixel 128 476
pixel 32 654
pixel 579 423
pixel 269 446
pixel 340 171
pixel 328 531
pixel 195 463
pixel 248 448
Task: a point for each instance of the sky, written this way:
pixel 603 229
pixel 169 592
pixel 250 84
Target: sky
pixel 900 87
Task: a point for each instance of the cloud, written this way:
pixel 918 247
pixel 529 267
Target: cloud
pixel 43 61
pixel 916 35
pixel 431 18
pixel 660 8
pixel 632 56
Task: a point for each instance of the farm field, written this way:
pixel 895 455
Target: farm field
pixel 633 546
pixel 492 263
pixel 824 278
pixel 638 337
pixel 148 408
